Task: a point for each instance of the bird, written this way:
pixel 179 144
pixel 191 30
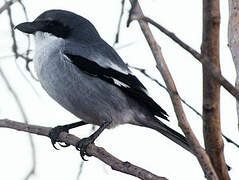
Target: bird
pixel 85 75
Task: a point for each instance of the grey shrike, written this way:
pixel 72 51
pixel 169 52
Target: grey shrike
pixel 87 77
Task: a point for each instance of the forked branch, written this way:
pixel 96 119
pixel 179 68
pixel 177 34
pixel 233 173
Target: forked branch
pixel 136 13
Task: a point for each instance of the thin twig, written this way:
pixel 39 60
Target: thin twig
pixel 92 150
pixel 119 23
pixel 83 162
pixel 132 13
pixel 16 54
pixel 24 116
pixel 7 5
pixel 230 141
pixel 143 71
pixel 199 152
pixel 15 51
pixel 25 56
pixel 204 60
pixel 122 46
pixel 14 45
pixel 80 170
pixel 28 60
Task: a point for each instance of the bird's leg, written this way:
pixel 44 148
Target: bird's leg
pixel 83 143
pixel 55 132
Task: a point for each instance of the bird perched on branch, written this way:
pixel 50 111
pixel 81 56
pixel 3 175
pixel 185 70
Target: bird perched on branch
pixel 86 76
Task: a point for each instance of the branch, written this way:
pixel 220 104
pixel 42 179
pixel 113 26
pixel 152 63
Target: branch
pixel 230 141
pixel 211 88
pixel 143 71
pixel 14 45
pixel 24 56
pixel 233 40
pixel 83 162
pixel 119 23
pixel 24 116
pixel 7 5
pixel 204 60
pixel 182 120
pixel 92 150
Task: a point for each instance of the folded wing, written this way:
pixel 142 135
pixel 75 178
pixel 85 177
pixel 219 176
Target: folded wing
pixel 125 81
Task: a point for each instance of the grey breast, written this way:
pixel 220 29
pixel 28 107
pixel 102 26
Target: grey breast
pixel 87 97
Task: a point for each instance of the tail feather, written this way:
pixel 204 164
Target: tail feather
pixel 162 128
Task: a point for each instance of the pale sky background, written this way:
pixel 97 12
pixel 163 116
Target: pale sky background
pixel 140 146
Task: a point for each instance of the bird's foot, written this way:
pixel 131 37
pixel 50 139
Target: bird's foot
pixel 54 136
pixel 82 146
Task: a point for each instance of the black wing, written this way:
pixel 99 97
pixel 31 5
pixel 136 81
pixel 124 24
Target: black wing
pixel 128 83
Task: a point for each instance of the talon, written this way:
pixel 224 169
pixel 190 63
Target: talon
pixel 64 144
pixel 54 136
pixel 53 140
pixel 54 145
pixel 82 146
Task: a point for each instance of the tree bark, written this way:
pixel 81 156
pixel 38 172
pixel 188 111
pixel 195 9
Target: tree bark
pixel 211 89
pixel 137 14
pixel 233 40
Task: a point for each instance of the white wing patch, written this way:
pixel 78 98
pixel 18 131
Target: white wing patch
pixel 105 62
pixel 117 68
pixel 119 83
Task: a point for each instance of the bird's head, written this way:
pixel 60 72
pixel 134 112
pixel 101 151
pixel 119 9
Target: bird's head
pixel 60 23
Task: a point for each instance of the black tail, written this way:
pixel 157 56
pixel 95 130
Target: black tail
pixel 157 125
pixel 154 123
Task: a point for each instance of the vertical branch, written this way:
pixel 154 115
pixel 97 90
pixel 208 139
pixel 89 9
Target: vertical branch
pixel 28 36
pixel 83 162
pixel 20 106
pixel 14 45
pixel 199 152
pixel 143 71
pixel 18 102
pixel 119 23
pixel 233 40
pixel 211 89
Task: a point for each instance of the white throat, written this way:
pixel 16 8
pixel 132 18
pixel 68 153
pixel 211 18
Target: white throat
pixel 44 39
pixel 46 47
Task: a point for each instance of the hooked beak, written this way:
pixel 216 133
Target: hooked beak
pixel 30 27
pixel 50 26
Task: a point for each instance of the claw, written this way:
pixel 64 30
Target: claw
pixel 53 144
pixel 54 136
pixel 82 146
pixel 64 144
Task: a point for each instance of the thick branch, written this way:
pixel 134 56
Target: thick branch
pixel 233 40
pixel 98 152
pixel 213 70
pixel 211 89
pixel 183 123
